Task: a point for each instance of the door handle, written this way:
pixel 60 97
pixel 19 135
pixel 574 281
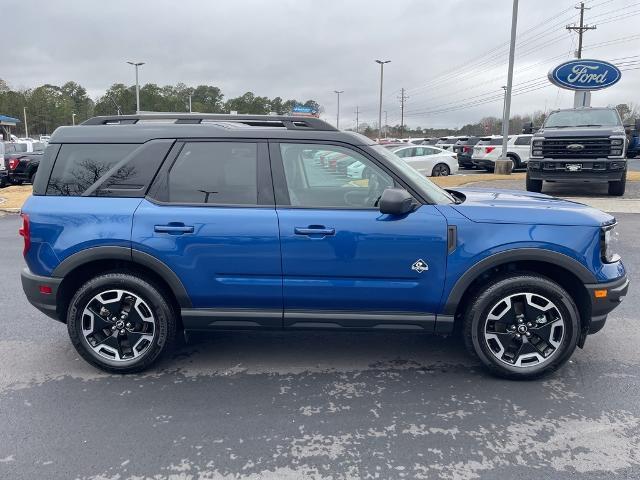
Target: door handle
pixel 173 228
pixel 314 230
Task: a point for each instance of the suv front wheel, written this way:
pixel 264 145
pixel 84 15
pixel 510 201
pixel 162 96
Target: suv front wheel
pixel 617 189
pixel 533 185
pixel 120 323
pixel 522 326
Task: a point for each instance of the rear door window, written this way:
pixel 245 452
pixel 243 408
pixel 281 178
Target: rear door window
pixel 525 140
pixel 218 173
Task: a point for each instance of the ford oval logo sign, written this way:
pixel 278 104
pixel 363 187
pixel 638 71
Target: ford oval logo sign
pixel 583 74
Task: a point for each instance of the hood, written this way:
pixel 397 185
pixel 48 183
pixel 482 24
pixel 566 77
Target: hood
pixel 551 132
pixel 516 206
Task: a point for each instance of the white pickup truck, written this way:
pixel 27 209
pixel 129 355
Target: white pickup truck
pixel 488 150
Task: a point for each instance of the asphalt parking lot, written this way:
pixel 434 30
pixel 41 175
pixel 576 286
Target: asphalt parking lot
pixel 315 405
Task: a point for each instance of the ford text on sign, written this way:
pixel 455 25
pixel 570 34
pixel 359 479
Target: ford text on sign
pixel 583 74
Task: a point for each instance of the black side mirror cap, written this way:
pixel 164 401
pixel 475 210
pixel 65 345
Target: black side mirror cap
pixel 396 201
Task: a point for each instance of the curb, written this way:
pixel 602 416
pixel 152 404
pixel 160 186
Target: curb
pixel 7 210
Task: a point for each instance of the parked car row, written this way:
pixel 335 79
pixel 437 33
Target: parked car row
pixel 488 149
pixel 19 161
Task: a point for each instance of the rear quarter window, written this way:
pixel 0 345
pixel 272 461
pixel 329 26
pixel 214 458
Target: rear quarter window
pixel 118 170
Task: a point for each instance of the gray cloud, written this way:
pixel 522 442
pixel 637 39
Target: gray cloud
pixel 308 48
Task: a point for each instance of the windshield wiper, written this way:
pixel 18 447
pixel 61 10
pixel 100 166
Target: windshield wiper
pixel 589 125
pixel 558 126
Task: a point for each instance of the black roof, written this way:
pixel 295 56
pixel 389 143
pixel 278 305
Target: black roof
pixel 145 127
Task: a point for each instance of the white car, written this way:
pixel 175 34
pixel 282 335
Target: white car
pixel 356 171
pixel 429 161
pixel 488 150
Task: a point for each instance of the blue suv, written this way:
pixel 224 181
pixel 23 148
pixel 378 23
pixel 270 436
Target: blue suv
pixel 141 228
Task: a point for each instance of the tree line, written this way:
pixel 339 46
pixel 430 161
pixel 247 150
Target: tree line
pixel 487 125
pixel 50 106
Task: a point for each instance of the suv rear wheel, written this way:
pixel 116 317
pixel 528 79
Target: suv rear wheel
pixel 120 323
pixel 533 185
pixel 522 326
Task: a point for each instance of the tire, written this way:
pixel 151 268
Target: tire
pixel 549 330
pixel 616 189
pixel 514 162
pixel 533 185
pixel 153 327
pixel 3 182
pixel 32 177
pixel 440 170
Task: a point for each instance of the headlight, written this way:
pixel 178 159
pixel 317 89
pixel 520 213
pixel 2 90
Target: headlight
pixel 609 243
pixel 617 141
pixel 537 153
pixel 616 152
pixel 537 143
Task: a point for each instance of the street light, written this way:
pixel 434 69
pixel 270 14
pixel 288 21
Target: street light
pixel 73 119
pixel 338 92
pixel 381 62
pixel 190 95
pixel 137 64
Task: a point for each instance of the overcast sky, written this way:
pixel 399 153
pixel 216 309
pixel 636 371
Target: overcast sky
pixel 306 49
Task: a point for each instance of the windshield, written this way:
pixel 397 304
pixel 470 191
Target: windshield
pixel 583 118
pixel 425 187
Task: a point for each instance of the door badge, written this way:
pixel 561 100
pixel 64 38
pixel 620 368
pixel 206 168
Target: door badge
pixel 419 266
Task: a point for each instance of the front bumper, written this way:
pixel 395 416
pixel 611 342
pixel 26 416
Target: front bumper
pixel 604 298
pixel 32 285
pixel 591 170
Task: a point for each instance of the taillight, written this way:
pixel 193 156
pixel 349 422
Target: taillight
pixel 466 149
pixel 13 163
pixel 25 232
pixel 489 149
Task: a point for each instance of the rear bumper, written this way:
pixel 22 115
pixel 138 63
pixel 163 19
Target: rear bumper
pixel 45 302
pixel 603 305
pixel 485 163
pixel 465 160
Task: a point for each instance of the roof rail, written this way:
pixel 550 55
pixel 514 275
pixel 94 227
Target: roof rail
pixel 289 122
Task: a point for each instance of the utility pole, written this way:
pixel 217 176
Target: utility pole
pixel 26 128
pixel 504 164
pixel 381 63
pixel 581 98
pixel 357 120
pixel 403 98
pixel 338 92
pixel 73 119
pixel 190 95
pixel 137 64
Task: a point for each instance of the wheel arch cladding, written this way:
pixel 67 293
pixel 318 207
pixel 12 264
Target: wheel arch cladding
pixel 86 264
pixel 565 271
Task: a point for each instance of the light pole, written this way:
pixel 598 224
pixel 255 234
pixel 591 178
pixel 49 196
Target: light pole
pixel 190 95
pixel 137 64
pixel 504 164
pixel 381 62
pixel 338 92
pixel 73 119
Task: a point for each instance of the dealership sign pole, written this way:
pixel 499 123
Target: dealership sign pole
pixel 583 76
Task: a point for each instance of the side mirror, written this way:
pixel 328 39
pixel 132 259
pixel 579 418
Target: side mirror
pixel 396 201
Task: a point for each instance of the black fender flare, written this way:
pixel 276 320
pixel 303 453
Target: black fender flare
pixel 514 255
pixel 130 255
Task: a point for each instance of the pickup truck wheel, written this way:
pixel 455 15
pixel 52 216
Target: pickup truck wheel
pixel 32 177
pixel 522 326
pixel 533 185
pixel 120 323
pixel 617 188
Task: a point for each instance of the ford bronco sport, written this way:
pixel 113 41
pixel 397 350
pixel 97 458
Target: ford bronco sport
pixel 144 227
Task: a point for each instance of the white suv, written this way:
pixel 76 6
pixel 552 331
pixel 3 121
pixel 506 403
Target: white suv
pixel 488 150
